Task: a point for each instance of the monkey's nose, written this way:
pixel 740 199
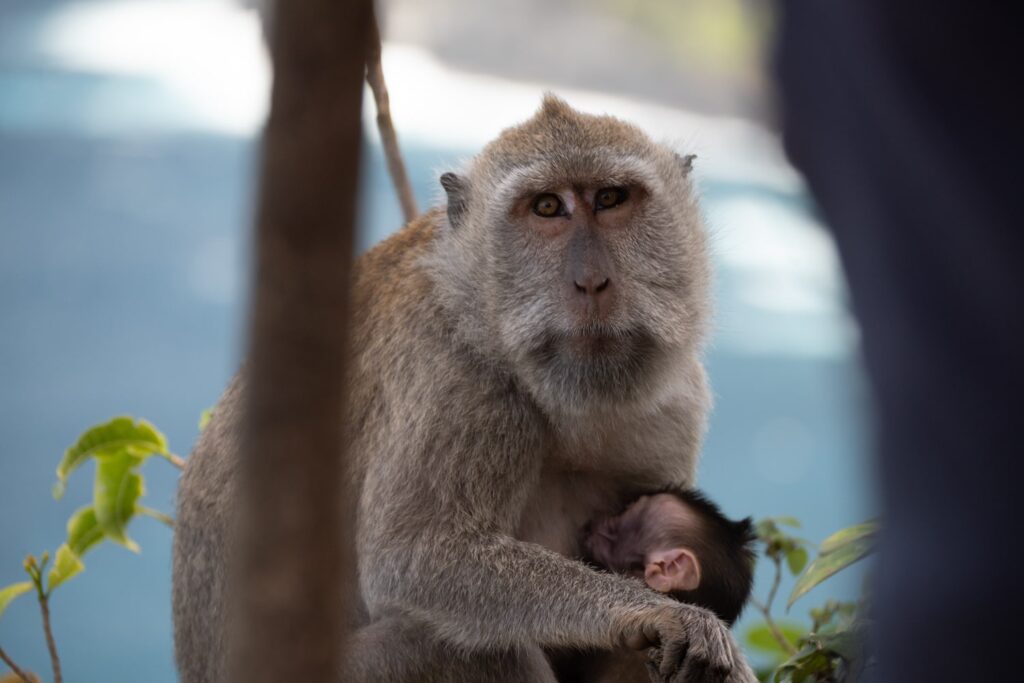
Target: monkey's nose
pixel 592 286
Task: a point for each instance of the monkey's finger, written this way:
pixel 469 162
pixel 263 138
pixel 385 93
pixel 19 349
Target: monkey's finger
pixel 652 670
pixel 694 669
pixel 673 654
pixel 652 634
pixel 640 640
pixel 706 672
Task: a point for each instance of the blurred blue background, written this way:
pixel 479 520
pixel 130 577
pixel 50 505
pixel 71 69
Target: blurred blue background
pixel 127 161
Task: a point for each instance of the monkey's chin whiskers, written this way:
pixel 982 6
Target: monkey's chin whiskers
pixel 601 338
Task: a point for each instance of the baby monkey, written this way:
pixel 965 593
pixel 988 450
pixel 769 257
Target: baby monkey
pixel 681 544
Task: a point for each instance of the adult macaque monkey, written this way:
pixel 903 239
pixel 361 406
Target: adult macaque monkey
pixel 523 362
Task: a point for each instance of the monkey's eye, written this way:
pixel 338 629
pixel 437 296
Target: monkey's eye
pixel 548 206
pixel 610 197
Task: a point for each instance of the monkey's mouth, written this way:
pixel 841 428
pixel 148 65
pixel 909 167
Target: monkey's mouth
pixel 606 341
pixel 597 343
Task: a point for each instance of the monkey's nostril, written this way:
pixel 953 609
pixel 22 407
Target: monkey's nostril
pixel 588 288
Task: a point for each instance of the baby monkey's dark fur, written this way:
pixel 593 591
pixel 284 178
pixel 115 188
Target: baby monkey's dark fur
pixel 726 548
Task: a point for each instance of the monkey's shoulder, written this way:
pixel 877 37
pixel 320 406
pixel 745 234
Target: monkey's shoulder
pixel 393 302
pixel 404 339
pixel 386 276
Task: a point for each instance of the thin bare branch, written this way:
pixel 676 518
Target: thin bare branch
pixel 18 671
pixel 765 609
pixel 51 644
pixel 388 136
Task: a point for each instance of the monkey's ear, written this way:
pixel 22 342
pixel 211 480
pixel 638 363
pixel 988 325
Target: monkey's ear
pixel 673 569
pixel 554 106
pixel 455 188
pixel 686 162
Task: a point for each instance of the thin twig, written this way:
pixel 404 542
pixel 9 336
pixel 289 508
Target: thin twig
pixel 155 514
pixel 775 583
pixel 175 460
pixel 44 607
pixel 388 137
pixel 766 609
pixel 15 668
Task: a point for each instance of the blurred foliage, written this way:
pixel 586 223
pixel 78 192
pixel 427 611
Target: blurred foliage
pixel 14 678
pixel 725 36
pixel 119 448
pixel 831 650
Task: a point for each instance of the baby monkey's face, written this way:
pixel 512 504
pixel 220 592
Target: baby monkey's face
pixel 654 538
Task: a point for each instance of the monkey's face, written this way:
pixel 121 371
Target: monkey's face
pixel 595 282
pixel 577 243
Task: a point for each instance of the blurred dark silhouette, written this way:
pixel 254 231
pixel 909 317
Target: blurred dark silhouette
pixel 903 118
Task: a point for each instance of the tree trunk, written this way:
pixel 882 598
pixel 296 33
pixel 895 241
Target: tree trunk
pixel 291 573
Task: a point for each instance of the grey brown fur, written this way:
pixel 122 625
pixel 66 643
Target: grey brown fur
pixel 495 409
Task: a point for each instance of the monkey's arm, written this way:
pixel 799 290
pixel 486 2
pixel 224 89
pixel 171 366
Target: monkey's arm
pixel 435 542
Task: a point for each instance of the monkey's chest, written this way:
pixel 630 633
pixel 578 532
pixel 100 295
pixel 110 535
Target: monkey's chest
pixel 586 479
pixel 563 503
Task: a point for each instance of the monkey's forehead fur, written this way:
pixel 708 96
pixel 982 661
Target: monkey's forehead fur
pixel 567 144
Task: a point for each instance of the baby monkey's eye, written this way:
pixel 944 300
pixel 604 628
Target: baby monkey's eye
pixel 609 197
pixel 548 206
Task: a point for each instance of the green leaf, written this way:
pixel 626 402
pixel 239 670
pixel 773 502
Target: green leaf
pixel 760 637
pixel 796 558
pixel 846 644
pixel 83 530
pixel 9 593
pixel 819 662
pixel 788 521
pixel 116 491
pixel 826 565
pixel 65 565
pixel 833 616
pixel 204 418
pixel 804 664
pixel 120 435
pixel 848 535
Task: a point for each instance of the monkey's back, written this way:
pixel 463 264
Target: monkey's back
pixel 389 298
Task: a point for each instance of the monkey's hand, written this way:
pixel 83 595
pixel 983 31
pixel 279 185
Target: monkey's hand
pixel 690 645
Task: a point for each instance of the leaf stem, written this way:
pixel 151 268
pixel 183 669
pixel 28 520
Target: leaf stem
pixel 44 607
pixel 775 582
pixel 14 667
pixel 766 609
pixel 155 514
pixel 175 460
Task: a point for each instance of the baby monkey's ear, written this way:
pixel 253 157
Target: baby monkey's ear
pixel 672 569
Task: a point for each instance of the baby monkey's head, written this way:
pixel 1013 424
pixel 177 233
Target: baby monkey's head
pixel 681 544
